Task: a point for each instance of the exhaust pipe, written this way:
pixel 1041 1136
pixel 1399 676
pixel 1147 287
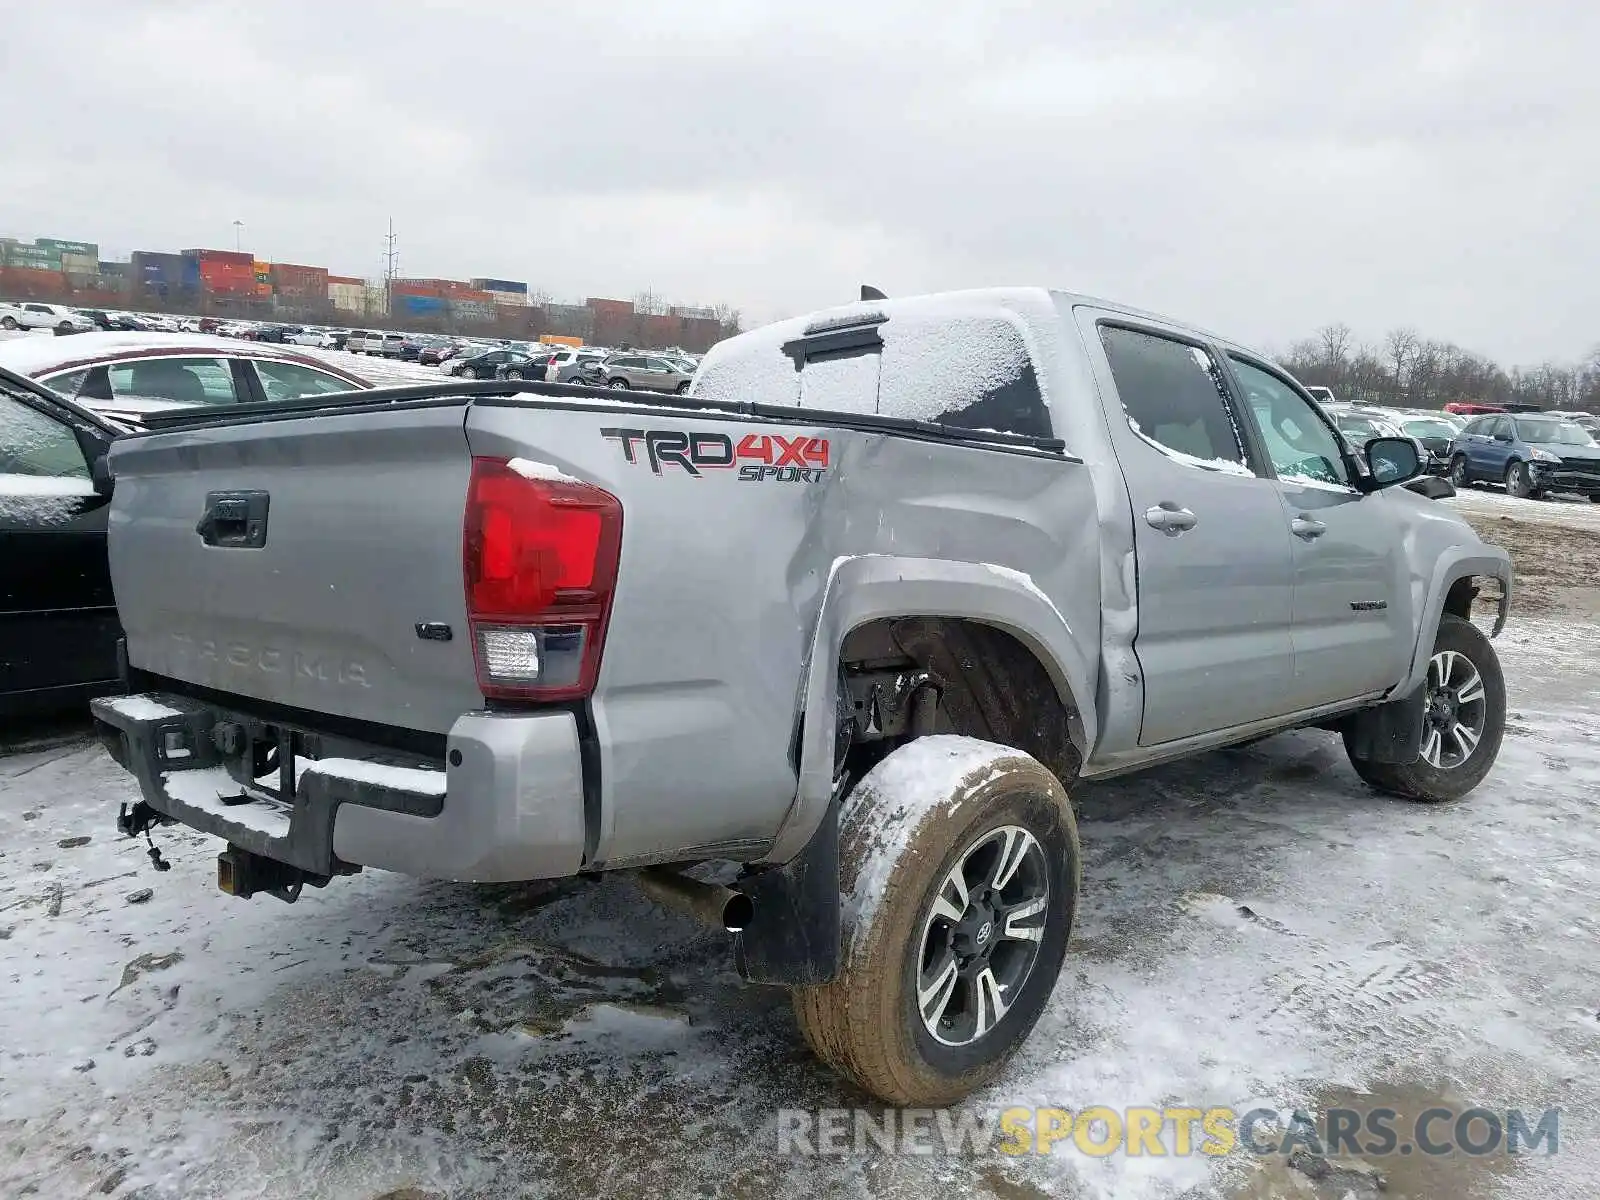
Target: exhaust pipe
pixel 709 903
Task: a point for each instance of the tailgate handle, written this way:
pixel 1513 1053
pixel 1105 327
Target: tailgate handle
pixel 237 520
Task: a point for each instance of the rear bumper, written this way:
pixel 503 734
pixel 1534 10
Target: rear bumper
pixel 507 804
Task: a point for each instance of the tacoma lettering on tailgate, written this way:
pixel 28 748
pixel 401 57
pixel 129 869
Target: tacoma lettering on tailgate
pixel 757 456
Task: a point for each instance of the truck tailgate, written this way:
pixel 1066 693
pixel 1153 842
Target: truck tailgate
pixel 348 596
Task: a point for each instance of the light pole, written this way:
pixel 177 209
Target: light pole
pixel 238 235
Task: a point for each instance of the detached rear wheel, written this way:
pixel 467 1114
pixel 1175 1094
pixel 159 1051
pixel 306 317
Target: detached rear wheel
pixel 1463 723
pixel 960 871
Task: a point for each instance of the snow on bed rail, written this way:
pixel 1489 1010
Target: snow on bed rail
pixel 421 780
pixel 139 708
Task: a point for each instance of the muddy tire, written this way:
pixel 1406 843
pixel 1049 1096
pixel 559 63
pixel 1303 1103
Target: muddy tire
pixel 1465 722
pixel 9 322
pixel 943 974
pixel 1458 471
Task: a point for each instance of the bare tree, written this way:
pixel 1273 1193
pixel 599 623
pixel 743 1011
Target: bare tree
pixel 649 303
pixel 1333 344
pixel 1400 347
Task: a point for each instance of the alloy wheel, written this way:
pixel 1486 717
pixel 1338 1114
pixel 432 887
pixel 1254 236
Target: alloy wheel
pixel 982 935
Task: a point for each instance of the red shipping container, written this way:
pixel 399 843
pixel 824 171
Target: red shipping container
pixel 610 308
pixel 347 279
pixel 32 283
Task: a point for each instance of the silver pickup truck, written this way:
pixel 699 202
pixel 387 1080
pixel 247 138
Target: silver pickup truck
pixel 848 621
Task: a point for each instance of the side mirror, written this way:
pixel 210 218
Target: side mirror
pixel 100 475
pixel 1393 460
pixel 1502 437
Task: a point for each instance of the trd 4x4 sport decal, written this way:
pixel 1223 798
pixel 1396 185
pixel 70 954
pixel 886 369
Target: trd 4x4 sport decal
pixel 757 456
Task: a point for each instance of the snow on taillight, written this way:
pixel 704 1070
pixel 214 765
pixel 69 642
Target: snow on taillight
pixel 540 558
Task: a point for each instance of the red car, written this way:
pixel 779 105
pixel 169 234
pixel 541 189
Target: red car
pixel 123 377
pixel 1463 409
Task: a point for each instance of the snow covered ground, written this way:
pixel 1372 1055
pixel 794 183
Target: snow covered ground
pixel 1256 928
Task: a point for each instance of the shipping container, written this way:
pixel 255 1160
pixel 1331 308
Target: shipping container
pixel 30 283
pixel 510 299
pixel 22 254
pixel 61 246
pixel 355 279
pixel 262 270
pixel 501 285
pixel 560 339
pixel 237 257
pixel 80 264
pixel 419 306
pixel 610 308
pixel 111 269
pixel 473 310
pixel 399 288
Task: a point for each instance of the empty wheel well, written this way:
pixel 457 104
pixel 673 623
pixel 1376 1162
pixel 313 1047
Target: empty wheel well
pixel 989 684
pixel 1458 600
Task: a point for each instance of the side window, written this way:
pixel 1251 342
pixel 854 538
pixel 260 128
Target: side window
pixel 1174 398
pixel 37 446
pixel 1502 428
pixel 291 381
pixel 1301 446
pixel 184 380
pixel 67 383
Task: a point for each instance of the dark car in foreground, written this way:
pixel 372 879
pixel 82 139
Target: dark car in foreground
pixel 495 364
pixel 58 621
pixel 1529 454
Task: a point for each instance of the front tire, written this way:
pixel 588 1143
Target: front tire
pixel 468 372
pixel 1458 471
pixel 959 867
pixel 619 384
pixel 9 323
pixel 1464 723
pixel 1519 482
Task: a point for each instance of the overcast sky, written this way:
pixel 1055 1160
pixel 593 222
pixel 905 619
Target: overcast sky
pixel 1257 171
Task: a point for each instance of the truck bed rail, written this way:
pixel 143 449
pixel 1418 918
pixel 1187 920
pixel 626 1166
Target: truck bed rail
pixel 509 390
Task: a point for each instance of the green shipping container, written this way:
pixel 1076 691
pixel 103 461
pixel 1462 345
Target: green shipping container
pixel 43 258
pixel 62 247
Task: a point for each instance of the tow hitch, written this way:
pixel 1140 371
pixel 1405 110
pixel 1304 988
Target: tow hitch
pixel 241 873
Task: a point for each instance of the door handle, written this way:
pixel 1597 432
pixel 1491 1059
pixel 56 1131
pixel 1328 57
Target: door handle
pixel 1307 529
pixel 234 519
pixel 1169 519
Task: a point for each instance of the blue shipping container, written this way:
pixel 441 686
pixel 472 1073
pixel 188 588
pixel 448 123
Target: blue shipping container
pixel 420 306
pixel 501 285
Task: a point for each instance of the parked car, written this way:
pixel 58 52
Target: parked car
pixel 439 352
pixel 31 314
pixel 1529 454
pixel 514 652
pixel 384 345
pixel 307 337
pixel 566 365
pixel 1436 435
pixel 1323 396
pixel 495 364
pixel 648 372
pixel 113 322
pixel 1468 409
pixel 58 620
pixel 124 377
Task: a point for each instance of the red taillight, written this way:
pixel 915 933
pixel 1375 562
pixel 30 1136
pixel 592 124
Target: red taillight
pixel 540 557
